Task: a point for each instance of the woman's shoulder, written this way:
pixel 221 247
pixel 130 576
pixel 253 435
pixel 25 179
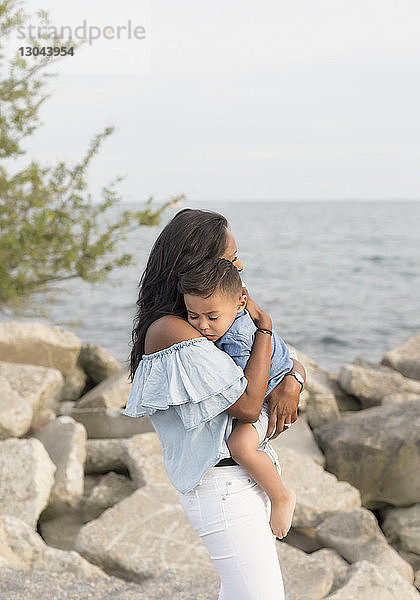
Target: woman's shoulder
pixel 168 331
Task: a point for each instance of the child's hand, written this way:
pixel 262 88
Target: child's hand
pixel 257 314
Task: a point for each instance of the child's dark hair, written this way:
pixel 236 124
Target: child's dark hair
pixel 217 275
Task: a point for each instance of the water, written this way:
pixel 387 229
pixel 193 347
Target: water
pixel 340 279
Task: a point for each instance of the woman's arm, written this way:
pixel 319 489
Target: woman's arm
pixel 169 330
pixel 257 370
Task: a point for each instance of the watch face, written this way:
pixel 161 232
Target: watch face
pixel 299 377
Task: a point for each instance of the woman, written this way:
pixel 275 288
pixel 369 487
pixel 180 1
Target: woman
pixel 190 389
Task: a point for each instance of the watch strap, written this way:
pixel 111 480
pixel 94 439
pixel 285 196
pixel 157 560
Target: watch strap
pixel 298 378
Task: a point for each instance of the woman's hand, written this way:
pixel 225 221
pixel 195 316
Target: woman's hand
pixel 257 314
pixel 283 403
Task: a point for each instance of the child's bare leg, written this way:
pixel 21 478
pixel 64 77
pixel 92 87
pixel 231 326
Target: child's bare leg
pixel 243 443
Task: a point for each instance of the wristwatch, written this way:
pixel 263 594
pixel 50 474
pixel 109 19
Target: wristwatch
pixel 298 378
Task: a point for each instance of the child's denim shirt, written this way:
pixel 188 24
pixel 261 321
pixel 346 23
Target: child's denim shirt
pixel 238 340
pixel 186 390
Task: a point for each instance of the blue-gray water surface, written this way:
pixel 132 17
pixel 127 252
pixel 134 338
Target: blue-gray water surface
pixel 340 279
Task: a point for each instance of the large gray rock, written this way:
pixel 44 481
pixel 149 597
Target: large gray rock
pixel 410 557
pixel 23 548
pixel 299 437
pixel 357 536
pixel 26 476
pixel 143 458
pixel 318 493
pixel 377 450
pixel 320 381
pixel 370 384
pixel 107 423
pixel 65 442
pixel 111 488
pixel 399 398
pixel 61 532
pixel 34 343
pixel 335 563
pixel 303 574
pixel 322 409
pixel 403 525
pixel 367 581
pixel 303 538
pixel 15 414
pixel 3 566
pixel 410 539
pixel 97 362
pixel 150 519
pixel 405 358
pixel 75 383
pixel 111 393
pixel 65 407
pixel 103 455
pixel 138 456
pixel 26 394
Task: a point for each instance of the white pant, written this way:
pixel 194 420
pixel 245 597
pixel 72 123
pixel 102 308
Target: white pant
pixel 231 512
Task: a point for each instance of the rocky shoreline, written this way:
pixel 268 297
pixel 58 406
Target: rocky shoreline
pixel 87 511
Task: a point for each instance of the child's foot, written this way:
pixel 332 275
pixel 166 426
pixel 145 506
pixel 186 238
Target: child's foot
pixel 281 514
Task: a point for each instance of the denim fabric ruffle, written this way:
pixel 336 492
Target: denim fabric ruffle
pixel 194 376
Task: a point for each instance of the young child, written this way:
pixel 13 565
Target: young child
pixel 215 304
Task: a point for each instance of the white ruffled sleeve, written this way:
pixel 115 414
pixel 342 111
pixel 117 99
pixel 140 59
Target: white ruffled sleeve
pixel 194 376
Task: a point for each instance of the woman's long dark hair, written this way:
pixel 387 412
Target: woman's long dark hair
pixel 191 237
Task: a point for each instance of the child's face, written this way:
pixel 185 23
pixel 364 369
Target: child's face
pixel 214 315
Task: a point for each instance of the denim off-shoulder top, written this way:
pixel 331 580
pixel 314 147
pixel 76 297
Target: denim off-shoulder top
pixel 238 341
pixel 186 389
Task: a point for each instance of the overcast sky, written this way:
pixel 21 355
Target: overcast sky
pixel 244 99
